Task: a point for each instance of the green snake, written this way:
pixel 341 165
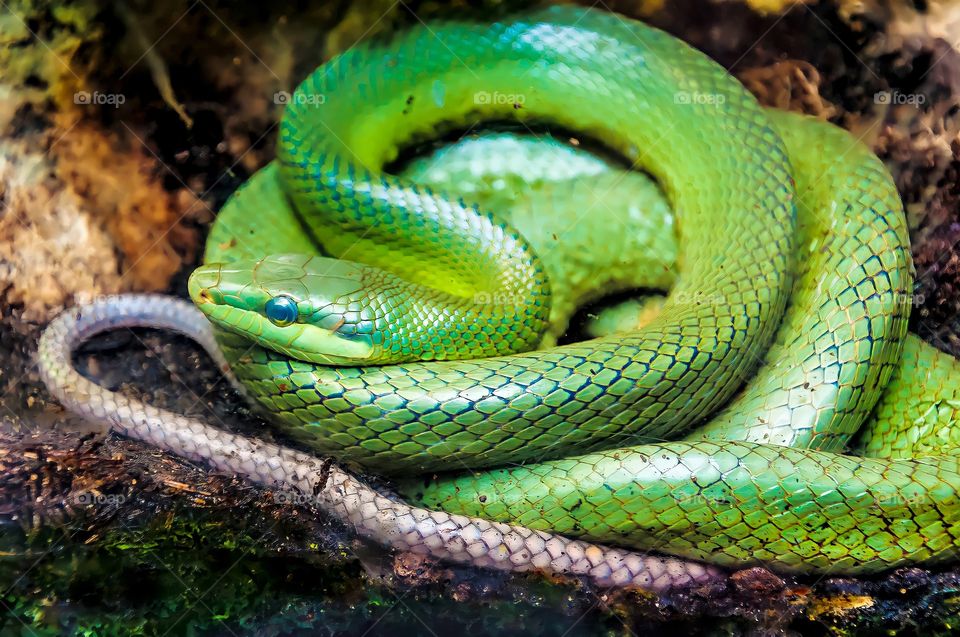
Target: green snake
pixel 381 321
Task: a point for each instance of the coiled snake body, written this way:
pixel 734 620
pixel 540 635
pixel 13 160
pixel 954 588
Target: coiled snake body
pixel 392 326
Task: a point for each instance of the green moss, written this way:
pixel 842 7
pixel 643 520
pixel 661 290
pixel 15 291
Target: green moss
pixel 185 569
pixel 188 571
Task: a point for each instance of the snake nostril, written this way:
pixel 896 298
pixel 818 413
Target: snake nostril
pixel 205 296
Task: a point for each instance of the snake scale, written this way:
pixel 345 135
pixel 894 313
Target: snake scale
pixel 381 321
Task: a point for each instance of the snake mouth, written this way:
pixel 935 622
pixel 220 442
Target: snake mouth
pixel 203 286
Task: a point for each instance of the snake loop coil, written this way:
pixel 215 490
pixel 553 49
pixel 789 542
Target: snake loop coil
pixel 382 322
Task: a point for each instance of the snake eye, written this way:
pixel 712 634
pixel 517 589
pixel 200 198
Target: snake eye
pixel 281 310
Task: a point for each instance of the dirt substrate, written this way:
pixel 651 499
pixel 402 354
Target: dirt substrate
pixel 103 194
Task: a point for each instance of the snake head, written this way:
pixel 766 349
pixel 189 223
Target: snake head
pixel 307 307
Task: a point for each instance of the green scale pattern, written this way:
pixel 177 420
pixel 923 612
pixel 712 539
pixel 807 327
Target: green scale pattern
pixel 650 384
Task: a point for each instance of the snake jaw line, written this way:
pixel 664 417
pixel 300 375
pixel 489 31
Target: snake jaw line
pixel 301 341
